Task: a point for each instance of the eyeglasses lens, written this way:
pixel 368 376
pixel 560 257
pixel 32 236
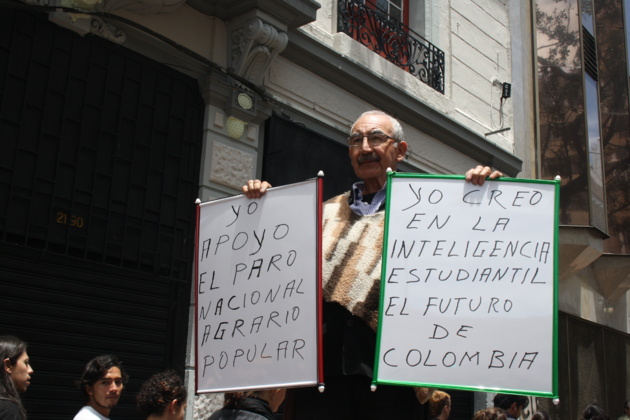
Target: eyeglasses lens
pixel 375 139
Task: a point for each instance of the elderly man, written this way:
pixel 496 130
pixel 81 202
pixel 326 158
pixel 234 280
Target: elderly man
pixel 352 232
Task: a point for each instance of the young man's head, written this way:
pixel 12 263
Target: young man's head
pixel 102 382
pixel 512 404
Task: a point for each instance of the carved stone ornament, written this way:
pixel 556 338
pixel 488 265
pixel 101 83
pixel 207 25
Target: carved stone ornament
pixel 144 7
pixel 254 46
pixel 82 24
pixel 108 31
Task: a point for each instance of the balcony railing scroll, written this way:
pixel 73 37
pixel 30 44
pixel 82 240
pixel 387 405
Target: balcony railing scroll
pixel 392 40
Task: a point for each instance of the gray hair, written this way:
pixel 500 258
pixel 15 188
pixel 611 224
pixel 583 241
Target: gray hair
pixel 398 133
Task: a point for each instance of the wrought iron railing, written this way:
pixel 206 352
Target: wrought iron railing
pixel 393 40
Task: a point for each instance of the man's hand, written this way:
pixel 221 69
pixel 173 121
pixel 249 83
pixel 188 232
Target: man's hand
pixel 255 188
pixel 479 174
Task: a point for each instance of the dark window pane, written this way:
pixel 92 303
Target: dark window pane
pixel 615 120
pixel 396 14
pixel 596 186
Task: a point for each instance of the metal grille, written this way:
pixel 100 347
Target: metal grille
pixel 590 53
pixel 99 162
pixel 100 154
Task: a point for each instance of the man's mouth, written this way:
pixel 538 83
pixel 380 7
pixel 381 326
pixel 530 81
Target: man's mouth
pixel 372 157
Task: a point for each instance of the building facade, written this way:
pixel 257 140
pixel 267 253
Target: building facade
pixel 116 115
pixel 582 111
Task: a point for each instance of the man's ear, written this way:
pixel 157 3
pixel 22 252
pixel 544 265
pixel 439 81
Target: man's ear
pixel 6 363
pixel 402 151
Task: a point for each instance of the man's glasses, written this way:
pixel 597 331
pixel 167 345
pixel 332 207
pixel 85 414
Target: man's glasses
pixel 374 139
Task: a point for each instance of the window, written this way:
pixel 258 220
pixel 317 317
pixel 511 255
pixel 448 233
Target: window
pixel 395 9
pixel 376 26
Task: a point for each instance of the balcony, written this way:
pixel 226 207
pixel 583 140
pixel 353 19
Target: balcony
pixel 392 40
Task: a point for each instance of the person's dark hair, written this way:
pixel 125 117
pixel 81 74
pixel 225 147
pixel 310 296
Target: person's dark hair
pixel 11 348
pixel 97 368
pixel 505 401
pixel 626 406
pixel 159 391
pixel 235 399
pixel 491 413
pixel 540 415
pixel 594 412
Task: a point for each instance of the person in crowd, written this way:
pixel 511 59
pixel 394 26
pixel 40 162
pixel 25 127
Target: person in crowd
pixel 491 413
pixel 512 404
pixel 540 415
pixel 626 411
pixel 16 377
pixel 439 405
pixel 354 221
pixel 162 397
pixel 251 405
pixel 594 412
pixel 102 382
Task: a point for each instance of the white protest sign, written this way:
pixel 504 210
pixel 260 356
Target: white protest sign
pixel 258 290
pixel 468 294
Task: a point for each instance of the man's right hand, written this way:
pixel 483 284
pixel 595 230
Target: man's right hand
pixel 479 174
pixel 255 188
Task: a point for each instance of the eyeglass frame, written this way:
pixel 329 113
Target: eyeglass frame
pixel 364 136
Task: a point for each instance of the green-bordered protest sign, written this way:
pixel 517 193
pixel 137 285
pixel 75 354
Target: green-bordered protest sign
pixel 469 285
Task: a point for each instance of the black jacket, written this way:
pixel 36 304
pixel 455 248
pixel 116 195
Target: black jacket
pixel 250 408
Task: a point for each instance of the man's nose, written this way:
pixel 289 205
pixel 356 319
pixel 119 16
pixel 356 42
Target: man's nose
pixel 365 145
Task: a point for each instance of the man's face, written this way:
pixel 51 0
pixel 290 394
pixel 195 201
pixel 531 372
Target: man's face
pixel 20 372
pixel 515 410
pixel 371 162
pixel 105 393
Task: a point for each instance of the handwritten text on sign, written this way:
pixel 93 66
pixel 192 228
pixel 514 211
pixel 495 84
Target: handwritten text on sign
pixel 469 285
pixel 257 291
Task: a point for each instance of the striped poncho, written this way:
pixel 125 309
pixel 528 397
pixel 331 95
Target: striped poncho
pixel 351 269
pixel 352 247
